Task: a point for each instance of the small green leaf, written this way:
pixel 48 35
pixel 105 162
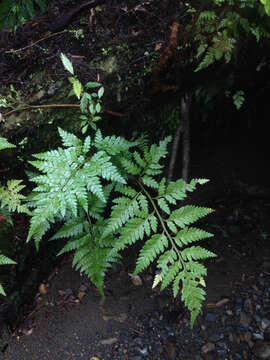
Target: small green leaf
pixel 91 85
pixel 77 87
pixel 100 92
pixel 67 64
pixel 98 108
pixel 4 144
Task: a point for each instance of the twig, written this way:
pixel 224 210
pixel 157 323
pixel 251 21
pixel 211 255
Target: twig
pixel 185 109
pixel 47 106
pixel 137 331
pixel 36 42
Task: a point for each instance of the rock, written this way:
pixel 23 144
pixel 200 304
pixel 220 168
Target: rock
pixel 262 350
pixel 265 324
pixel 245 319
pixel 222 353
pixel 216 337
pixel 142 351
pixel 208 347
pixel 222 302
pixel 109 341
pixel 211 317
pixel 171 349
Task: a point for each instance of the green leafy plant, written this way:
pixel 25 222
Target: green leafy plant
pixel 85 178
pixel 14 13
pixel 221 30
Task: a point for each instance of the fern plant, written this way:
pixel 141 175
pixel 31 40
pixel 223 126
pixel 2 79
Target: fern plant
pixel 72 189
pixel 80 180
pixel 218 33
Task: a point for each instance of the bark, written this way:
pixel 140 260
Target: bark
pixel 183 128
pixel 185 116
pixel 175 147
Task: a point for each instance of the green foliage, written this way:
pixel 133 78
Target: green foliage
pixel 238 99
pixel 85 178
pixel 4 261
pixel 10 201
pixel 14 12
pixel 266 4
pixel 221 31
pixel 71 189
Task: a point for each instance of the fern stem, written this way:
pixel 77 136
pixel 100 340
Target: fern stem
pixel 163 224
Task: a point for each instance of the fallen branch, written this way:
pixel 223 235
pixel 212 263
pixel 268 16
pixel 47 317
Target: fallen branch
pixel 12 51
pixel 47 106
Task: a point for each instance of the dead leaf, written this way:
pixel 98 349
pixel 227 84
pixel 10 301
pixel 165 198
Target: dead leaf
pixel 122 317
pixel 81 294
pixel 65 292
pixel 27 332
pixel 158 46
pixel 136 280
pixel 222 302
pixel 43 289
pixel 109 341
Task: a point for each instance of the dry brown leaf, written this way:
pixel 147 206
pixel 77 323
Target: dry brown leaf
pixel 81 294
pixel 43 289
pixel 158 46
pixel 109 341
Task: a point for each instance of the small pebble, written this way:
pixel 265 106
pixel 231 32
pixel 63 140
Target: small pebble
pixel 208 348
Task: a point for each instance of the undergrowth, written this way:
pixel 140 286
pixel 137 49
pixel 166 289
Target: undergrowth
pixel 89 174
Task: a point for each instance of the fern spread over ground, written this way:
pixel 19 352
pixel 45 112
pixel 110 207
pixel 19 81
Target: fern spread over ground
pixel 79 180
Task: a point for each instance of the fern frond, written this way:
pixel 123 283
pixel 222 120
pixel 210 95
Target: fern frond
pixel 11 197
pixel 126 190
pixel 130 167
pixel 171 225
pixel 135 229
pixel 68 139
pixel 188 214
pixel 196 253
pixel 139 160
pixel 95 205
pixel 168 257
pixel 123 210
pixel 89 259
pixel 197 269
pixel 111 144
pixel 206 16
pixel 143 203
pixel 75 243
pixel 189 235
pixel 192 296
pixel 71 228
pixel 163 205
pixel 150 182
pixel 4 260
pixel 169 273
pixel 162 187
pixel 4 144
pixel 176 191
pixel 94 263
pixel 151 249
